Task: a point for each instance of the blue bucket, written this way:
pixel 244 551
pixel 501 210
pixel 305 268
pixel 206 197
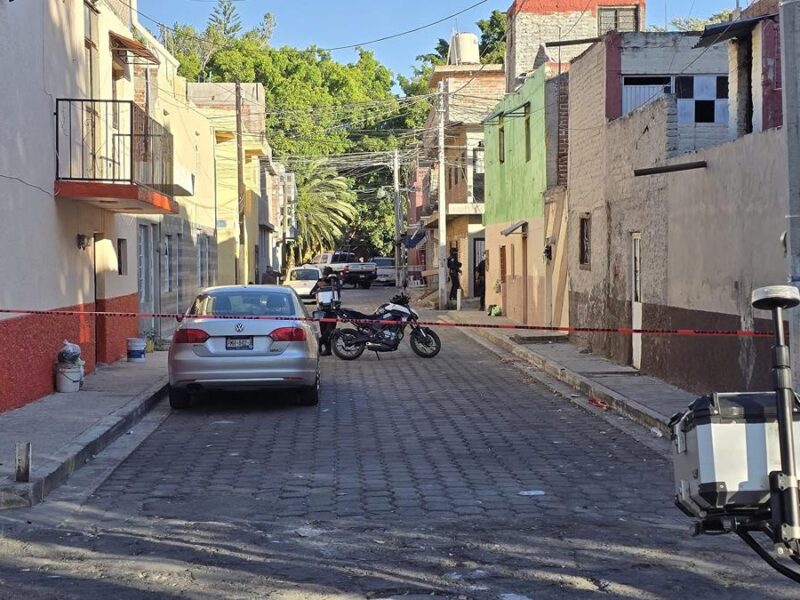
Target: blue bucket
pixel 136 348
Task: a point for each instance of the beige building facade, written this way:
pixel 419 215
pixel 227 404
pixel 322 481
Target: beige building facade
pixel 470 92
pixel 107 178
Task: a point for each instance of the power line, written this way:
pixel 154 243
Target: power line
pixel 402 33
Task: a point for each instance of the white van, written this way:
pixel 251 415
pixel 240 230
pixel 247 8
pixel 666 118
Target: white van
pixel 302 280
pixel 386 269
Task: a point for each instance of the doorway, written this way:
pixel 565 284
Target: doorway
pixel 503 273
pixel 636 298
pixel 478 248
pixel 96 237
pixel 146 275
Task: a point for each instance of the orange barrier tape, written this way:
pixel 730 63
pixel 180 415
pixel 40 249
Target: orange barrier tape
pixel 620 330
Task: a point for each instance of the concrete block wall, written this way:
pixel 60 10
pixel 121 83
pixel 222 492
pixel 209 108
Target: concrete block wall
pixel 533 23
pixel 529 31
pixel 696 272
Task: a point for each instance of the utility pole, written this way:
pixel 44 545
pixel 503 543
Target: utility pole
pixel 398 223
pixel 240 277
pixel 442 204
pixel 790 49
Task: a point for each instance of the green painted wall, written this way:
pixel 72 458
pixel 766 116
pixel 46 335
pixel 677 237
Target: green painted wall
pixel 515 188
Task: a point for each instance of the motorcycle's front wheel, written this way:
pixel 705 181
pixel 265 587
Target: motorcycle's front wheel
pixel 425 342
pixel 344 345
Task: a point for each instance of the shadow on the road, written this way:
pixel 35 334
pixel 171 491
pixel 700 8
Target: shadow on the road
pixel 379 558
pixel 404 480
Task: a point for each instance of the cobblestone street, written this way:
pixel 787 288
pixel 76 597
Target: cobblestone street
pixel 405 480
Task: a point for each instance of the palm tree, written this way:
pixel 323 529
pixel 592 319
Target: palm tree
pixel 325 207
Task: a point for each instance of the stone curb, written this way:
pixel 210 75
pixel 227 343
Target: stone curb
pixel 622 404
pixel 52 473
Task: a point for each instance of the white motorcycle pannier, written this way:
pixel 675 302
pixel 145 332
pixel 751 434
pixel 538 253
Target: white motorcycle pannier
pixel 724 448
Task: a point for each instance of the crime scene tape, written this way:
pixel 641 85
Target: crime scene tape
pixel 747 333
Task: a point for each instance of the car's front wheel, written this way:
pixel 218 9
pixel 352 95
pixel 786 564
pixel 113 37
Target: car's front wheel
pixel 179 399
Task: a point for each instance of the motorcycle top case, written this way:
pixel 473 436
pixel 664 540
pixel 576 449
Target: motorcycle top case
pixel 724 448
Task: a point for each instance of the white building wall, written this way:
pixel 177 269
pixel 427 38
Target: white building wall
pixel 41 51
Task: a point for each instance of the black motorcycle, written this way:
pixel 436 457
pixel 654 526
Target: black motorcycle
pixel 394 317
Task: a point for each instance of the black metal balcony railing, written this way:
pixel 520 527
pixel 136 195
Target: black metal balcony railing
pixel 112 141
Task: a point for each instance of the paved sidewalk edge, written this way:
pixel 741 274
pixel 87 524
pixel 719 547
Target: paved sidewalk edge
pixel 71 457
pixel 622 404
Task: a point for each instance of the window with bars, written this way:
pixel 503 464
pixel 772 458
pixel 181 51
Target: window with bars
pixel 585 248
pixel 501 139
pixel 122 256
pixel 527 112
pixel 478 173
pixel 168 267
pixel 90 47
pixel 617 19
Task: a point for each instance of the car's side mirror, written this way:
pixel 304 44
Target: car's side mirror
pixel 179 318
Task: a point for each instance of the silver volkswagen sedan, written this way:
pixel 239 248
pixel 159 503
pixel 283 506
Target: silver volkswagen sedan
pixel 216 348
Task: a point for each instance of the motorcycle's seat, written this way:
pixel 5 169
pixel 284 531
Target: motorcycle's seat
pixel 348 313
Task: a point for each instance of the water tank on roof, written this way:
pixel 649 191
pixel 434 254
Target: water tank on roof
pixel 464 49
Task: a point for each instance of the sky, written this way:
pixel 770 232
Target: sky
pixel 332 23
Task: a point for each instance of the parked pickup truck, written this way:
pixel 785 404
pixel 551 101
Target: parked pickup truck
pixel 348 268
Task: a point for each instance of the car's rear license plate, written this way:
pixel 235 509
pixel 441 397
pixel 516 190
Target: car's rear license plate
pixel 239 343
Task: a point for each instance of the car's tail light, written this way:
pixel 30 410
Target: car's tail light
pixel 190 336
pixel 289 334
pixel 346 269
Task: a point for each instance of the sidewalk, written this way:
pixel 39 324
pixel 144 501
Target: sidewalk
pixel 644 399
pixel 66 430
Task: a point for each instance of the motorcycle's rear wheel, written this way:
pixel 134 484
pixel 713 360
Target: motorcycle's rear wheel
pixel 425 342
pixel 343 345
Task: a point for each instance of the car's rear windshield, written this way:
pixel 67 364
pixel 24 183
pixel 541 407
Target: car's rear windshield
pixel 243 303
pixel 304 275
pixel 343 257
pixel 383 262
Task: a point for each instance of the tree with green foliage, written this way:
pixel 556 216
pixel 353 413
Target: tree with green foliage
pixel 695 23
pixel 493 38
pixel 319 107
pixel 192 48
pixel 225 19
pixel 325 209
pixel 438 56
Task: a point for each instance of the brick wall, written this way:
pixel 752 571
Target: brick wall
pixel 141 83
pixel 533 23
pixel 761 8
pixel 530 30
pixel 122 9
pixel 473 95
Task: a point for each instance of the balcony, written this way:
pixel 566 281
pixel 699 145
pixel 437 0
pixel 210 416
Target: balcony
pixel 110 154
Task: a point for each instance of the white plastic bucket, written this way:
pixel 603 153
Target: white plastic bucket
pixel 68 378
pixel 136 348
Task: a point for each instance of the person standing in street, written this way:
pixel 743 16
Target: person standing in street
pixel 328 280
pixel 454 269
pixel 480 281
